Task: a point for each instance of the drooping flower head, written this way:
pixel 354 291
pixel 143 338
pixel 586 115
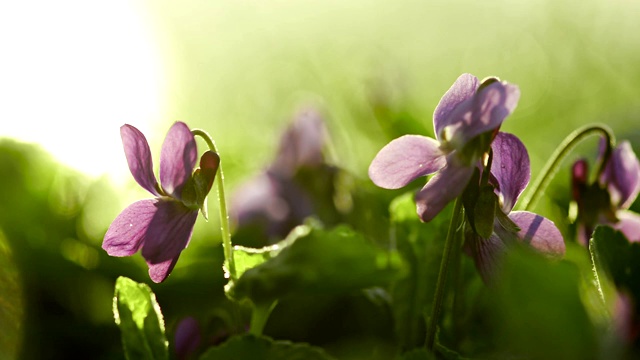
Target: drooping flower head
pixel 465 122
pixel 607 200
pixel 509 176
pixel 162 226
pixel 269 205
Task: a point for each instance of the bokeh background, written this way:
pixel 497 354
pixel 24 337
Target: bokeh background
pixel 72 72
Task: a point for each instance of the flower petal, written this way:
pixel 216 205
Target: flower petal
pixel 404 160
pixel 443 187
pixel 138 154
pixel 487 254
pixel 168 232
pixel 482 113
pixel 301 144
pixel 177 159
pixel 539 232
pixel 126 234
pixel 629 224
pixel 510 167
pixel 462 89
pixel 622 175
pixel 159 272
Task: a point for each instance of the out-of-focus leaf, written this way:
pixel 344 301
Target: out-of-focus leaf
pixel 320 262
pixel 538 309
pixel 11 304
pixel 263 348
pixel 138 314
pixel 616 257
pixel 417 354
pixel 420 245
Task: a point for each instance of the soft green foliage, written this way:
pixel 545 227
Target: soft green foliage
pixel 263 348
pixel 420 245
pixel 616 258
pixel 321 262
pixel 537 309
pixel 11 303
pixel 138 314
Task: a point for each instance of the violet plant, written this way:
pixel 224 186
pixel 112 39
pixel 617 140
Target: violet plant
pixel 482 170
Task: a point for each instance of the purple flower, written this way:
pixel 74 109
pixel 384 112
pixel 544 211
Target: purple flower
pixel 510 175
pixel 607 200
pixel 465 121
pixel 162 226
pixel 277 200
pixel 187 337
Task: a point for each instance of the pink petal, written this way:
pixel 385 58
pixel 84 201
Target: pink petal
pixel 127 232
pixel 539 232
pixel 404 160
pixel 177 159
pixel 510 167
pixel 482 113
pixel 629 224
pixel 462 89
pixel 159 272
pixel 168 232
pixel 622 175
pixel 138 154
pixel 443 187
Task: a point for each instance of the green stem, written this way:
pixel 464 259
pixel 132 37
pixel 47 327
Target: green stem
pixel 552 166
pixel 224 215
pixel 259 317
pixel 442 276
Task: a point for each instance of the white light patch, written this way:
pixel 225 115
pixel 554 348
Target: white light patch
pixel 72 72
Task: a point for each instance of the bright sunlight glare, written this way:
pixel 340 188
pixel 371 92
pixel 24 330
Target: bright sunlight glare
pixel 72 72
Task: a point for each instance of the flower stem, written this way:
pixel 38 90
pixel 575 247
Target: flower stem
pixel 442 276
pixel 553 165
pixel 259 317
pixel 224 215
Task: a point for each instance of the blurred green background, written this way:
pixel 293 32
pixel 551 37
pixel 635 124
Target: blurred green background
pixel 240 70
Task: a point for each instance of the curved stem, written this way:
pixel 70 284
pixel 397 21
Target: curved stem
pixel 561 152
pixel 259 317
pixel 224 215
pixel 442 276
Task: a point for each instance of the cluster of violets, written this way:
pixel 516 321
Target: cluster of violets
pixel 470 160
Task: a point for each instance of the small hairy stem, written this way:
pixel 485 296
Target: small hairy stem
pixel 442 276
pixel 224 215
pixel 552 166
pixel 259 317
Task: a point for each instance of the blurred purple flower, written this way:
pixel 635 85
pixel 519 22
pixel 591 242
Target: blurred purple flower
pixel 162 226
pixel 187 337
pixel 510 175
pixel 464 121
pixel 607 200
pixel 276 200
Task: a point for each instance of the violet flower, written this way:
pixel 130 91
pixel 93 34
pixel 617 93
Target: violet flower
pixel 607 201
pixel 465 121
pixel 278 199
pixel 510 175
pixel 162 226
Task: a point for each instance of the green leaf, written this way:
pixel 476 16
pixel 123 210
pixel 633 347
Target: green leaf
pixel 138 315
pixel 617 258
pixel 538 308
pixel 264 348
pixel 319 262
pixel 247 258
pixel 11 303
pixel 420 245
pixel 417 354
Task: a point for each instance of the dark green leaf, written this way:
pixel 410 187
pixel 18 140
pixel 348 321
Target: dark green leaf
pixel 417 354
pixel 138 314
pixel 420 245
pixel 538 308
pixel 320 262
pixel 263 348
pixel 617 258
